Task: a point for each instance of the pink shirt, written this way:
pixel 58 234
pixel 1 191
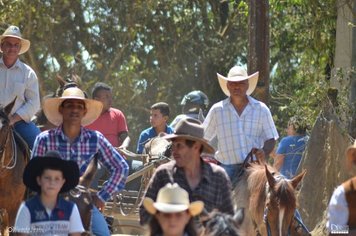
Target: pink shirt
pixel 110 124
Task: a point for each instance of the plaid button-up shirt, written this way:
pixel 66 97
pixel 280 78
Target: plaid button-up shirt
pixel 214 189
pixel 238 134
pixel 82 151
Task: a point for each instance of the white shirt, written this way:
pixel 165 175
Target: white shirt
pixel 338 210
pixel 238 134
pixel 23 223
pixel 19 81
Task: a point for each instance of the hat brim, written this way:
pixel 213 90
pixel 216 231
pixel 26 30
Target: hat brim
pixel 350 154
pixel 207 147
pixel 252 82
pixel 36 165
pixel 194 208
pixel 51 110
pixel 25 44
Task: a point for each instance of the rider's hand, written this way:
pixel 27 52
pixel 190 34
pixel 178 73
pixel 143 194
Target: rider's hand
pixel 260 155
pixel 98 203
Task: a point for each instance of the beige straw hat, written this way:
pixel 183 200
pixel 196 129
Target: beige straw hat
pixel 171 199
pixel 51 107
pixel 14 32
pixel 238 73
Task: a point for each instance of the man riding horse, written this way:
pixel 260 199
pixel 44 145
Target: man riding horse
pixel 70 113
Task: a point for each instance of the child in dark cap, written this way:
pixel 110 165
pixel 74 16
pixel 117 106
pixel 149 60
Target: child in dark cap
pixel 47 213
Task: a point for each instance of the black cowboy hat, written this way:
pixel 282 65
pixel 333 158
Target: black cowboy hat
pixel 52 159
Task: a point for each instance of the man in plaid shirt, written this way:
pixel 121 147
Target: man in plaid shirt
pixel 70 113
pixel 203 181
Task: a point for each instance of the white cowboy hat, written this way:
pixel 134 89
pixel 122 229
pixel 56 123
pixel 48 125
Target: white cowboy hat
pixel 171 199
pixel 51 107
pixel 14 32
pixel 237 73
pixel 191 129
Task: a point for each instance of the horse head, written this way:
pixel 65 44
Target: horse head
pixel 281 202
pixel 222 224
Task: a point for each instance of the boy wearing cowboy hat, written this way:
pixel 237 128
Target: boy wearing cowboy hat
pixel 46 213
pixel 342 205
pixel 18 80
pixel 203 181
pixel 172 212
pixel 240 122
pixel 70 113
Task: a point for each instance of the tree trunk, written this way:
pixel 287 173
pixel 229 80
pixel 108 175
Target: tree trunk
pixel 258 54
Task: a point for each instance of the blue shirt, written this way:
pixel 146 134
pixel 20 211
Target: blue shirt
pixel 82 151
pixel 292 147
pixel 148 134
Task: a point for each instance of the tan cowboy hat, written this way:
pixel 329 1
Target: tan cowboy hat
pixel 14 32
pixel 191 129
pixel 171 199
pixel 237 73
pixel 51 107
pixel 350 154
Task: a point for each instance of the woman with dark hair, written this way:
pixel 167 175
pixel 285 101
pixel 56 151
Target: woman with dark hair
pixel 172 213
pixel 290 149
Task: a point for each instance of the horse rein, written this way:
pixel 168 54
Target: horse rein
pixel 13 160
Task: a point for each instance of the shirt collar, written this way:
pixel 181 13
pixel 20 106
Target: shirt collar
pixel 84 133
pixel 16 65
pixel 206 170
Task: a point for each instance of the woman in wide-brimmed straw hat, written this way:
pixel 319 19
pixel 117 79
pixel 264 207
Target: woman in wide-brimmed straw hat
pixel 172 212
pixel 342 205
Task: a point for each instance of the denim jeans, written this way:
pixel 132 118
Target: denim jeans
pixel 233 171
pixel 99 227
pixel 28 131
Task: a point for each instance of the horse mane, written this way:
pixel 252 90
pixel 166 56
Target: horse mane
pixel 257 184
pixel 217 223
pixel 285 193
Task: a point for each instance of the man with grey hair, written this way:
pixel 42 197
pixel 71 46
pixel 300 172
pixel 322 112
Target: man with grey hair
pixel 18 80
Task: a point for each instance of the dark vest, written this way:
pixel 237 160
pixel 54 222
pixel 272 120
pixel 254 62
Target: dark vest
pixel 350 194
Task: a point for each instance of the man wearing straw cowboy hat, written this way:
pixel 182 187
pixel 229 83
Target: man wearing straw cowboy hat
pixel 203 181
pixel 70 113
pixel 18 80
pixel 241 123
pixel 342 205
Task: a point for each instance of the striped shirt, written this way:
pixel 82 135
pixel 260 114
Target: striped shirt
pixel 214 188
pixel 82 151
pixel 238 134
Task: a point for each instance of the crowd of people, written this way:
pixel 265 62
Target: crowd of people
pixel 180 189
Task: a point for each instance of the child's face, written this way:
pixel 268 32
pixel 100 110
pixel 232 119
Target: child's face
pixel 51 182
pixel 173 223
pixel 157 119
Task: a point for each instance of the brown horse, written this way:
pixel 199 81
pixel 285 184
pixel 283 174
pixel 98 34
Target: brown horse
pixel 271 202
pixel 14 155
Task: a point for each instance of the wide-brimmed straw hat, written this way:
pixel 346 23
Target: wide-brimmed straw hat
pixel 51 107
pixel 14 32
pixel 191 129
pixel 171 199
pixel 238 73
pixel 51 160
pixel 351 154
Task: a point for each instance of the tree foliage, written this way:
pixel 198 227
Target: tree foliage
pixel 157 50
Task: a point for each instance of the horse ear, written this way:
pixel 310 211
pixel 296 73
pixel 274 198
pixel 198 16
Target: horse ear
pixel 296 180
pixel 271 180
pixel 239 216
pixel 60 80
pixel 9 106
